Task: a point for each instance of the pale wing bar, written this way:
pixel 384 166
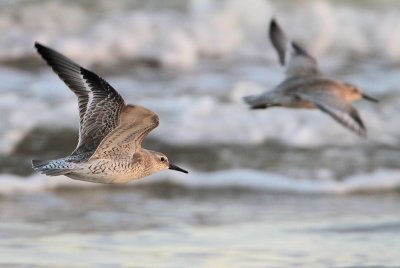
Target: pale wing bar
pixel 103 111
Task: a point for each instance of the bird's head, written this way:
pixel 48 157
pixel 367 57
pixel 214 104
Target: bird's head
pixel 355 93
pixel 161 162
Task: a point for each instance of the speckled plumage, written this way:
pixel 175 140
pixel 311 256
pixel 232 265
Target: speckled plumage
pixel 110 133
pixel 306 87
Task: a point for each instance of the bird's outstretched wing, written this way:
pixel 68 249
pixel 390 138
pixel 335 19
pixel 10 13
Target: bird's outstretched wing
pixel 100 105
pixel 291 55
pixel 342 112
pixel 126 139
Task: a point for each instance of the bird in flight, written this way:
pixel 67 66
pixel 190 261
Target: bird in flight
pixel 306 87
pixel 111 132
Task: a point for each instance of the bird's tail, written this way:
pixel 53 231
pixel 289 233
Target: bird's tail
pixel 52 167
pixel 255 102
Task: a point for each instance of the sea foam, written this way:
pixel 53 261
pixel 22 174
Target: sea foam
pixel 203 29
pixel 378 180
pixel 206 115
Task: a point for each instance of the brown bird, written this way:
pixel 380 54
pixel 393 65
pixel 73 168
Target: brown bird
pixel 306 87
pixel 110 133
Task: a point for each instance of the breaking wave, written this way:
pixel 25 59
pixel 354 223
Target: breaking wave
pixel 180 36
pixel 379 180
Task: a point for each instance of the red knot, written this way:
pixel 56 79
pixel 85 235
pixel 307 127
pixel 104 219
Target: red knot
pixel 306 87
pixel 109 149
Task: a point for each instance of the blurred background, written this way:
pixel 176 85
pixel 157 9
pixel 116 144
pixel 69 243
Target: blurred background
pixel 271 188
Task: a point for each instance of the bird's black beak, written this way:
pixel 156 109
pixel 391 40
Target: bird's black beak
pixel 174 167
pixel 367 97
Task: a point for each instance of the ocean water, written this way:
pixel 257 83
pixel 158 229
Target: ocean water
pixel 276 188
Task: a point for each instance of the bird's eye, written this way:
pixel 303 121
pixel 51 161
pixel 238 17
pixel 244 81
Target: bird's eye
pixel 162 159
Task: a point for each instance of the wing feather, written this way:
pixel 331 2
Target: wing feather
pixel 342 112
pixel 297 60
pixel 126 139
pixel 99 103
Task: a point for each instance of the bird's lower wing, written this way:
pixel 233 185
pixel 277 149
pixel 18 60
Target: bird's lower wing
pixel 343 113
pixel 126 139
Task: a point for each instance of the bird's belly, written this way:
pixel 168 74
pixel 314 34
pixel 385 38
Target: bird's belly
pixel 107 171
pixel 300 104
